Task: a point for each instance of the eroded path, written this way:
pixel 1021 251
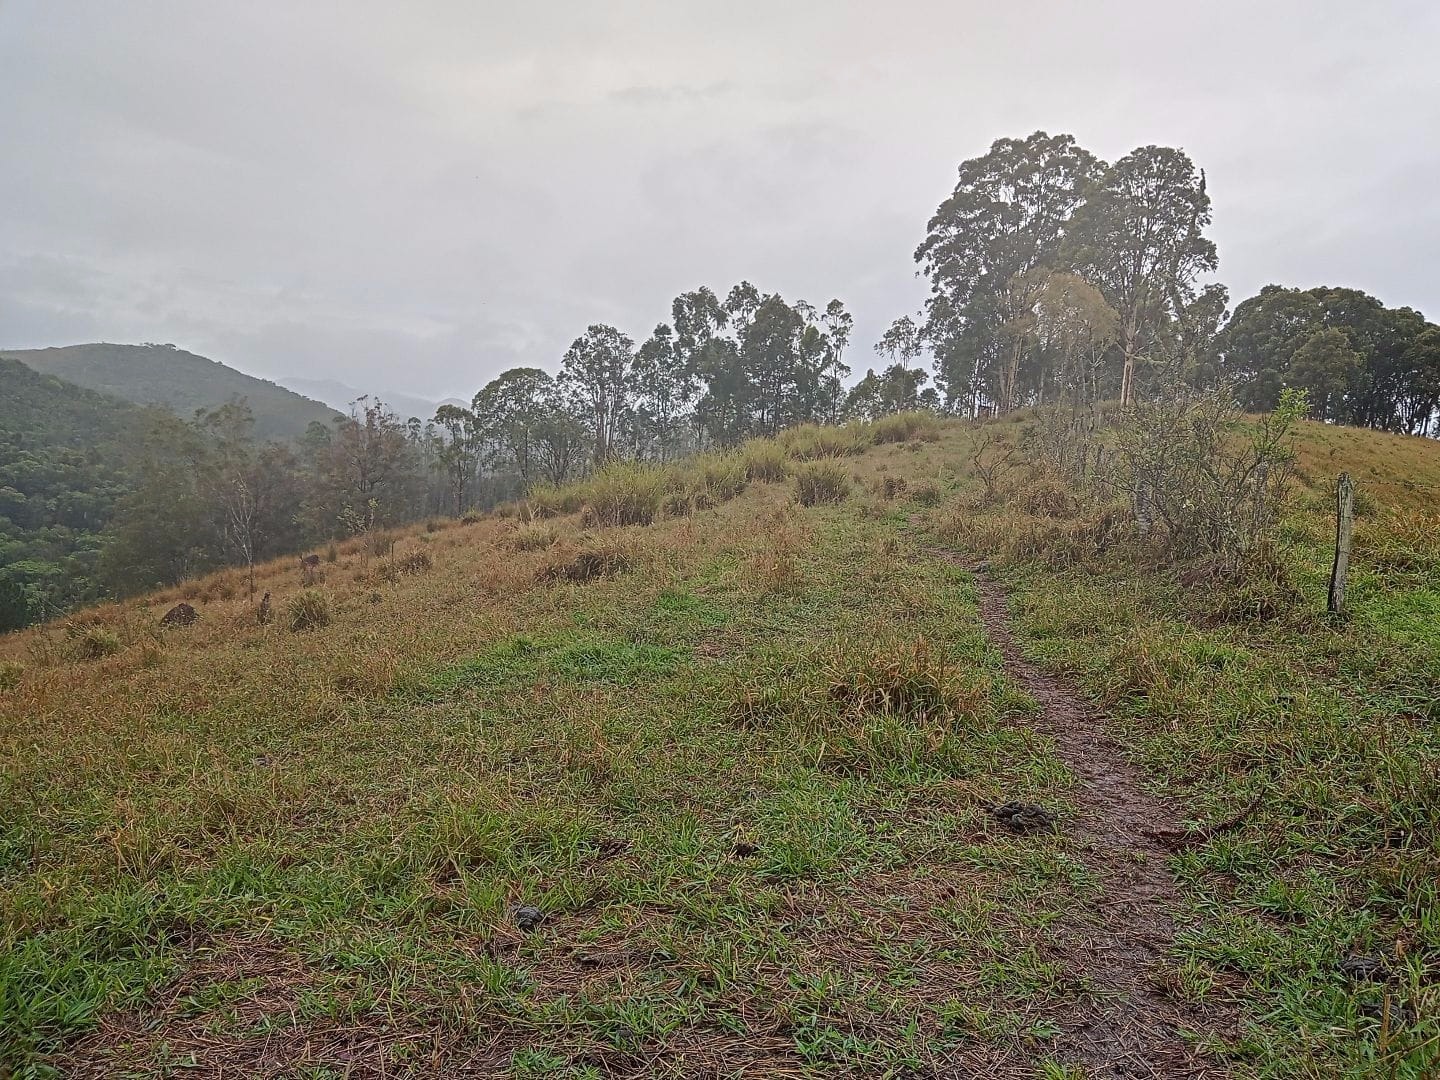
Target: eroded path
pixel 1131 1026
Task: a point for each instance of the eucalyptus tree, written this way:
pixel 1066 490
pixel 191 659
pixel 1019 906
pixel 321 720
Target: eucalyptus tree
pixel 507 411
pixel 664 391
pixel 597 371
pixel 1006 217
pixel 1139 236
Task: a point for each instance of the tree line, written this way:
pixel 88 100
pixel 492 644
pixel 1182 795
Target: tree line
pixel 1055 277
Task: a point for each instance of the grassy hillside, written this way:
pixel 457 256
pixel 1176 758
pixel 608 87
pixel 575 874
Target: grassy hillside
pixel 64 461
pixel 717 794
pixel 165 375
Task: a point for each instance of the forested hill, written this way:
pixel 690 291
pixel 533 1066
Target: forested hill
pixel 165 375
pixel 65 460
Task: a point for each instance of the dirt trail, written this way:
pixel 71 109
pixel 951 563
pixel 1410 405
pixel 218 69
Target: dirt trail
pixel 1130 1027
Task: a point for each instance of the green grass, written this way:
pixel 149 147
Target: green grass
pixel 744 778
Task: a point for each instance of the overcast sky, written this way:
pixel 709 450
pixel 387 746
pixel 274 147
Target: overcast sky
pixel 415 196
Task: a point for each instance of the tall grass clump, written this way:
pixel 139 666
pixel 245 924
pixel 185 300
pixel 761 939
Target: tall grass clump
pixel 902 427
pixel 549 500
pixel 534 537
pixel 308 610
pixel 10 672
pixel 810 442
pixel 764 461
pixel 715 478
pixel 93 642
pixel 818 482
pixel 625 493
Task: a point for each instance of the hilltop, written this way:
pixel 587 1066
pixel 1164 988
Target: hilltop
pixel 712 769
pixel 180 380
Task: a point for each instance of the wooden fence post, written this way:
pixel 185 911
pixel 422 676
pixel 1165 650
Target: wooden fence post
pixel 1344 519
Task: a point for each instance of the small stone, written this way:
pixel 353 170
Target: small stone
pixel 742 850
pixel 528 918
pixel 1024 817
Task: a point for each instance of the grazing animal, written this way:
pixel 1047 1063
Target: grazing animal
pixel 309 562
pixel 263 614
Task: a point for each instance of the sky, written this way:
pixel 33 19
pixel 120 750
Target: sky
pixel 414 197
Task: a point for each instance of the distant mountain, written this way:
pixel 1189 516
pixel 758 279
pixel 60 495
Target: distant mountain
pixel 165 375
pixel 339 395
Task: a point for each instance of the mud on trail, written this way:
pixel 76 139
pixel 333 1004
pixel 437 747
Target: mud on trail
pixel 1129 1027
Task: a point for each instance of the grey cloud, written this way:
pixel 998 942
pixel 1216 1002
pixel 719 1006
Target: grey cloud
pixel 417 196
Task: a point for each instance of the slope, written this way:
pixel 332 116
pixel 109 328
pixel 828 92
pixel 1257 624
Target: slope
pixel 726 793
pixel 165 375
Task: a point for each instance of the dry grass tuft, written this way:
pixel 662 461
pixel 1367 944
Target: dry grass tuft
pixel 308 610
pixel 820 482
pixel 534 537
pixel 590 563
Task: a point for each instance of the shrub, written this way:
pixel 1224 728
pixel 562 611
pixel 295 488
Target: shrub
pixel 1193 485
pixel 534 537
pixel 470 517
pixel 308 610
pixel 625 493
pixel 10 672
pixel 764 461
pixel 821 482
pixel 93 642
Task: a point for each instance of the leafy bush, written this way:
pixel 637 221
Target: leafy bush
pixel 1194 484
pixel 308 610
pixel 821 482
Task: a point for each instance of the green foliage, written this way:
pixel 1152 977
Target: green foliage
pixel 1360 362
pixel 66 459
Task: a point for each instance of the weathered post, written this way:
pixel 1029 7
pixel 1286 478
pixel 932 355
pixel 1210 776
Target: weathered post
pixel 1344 519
